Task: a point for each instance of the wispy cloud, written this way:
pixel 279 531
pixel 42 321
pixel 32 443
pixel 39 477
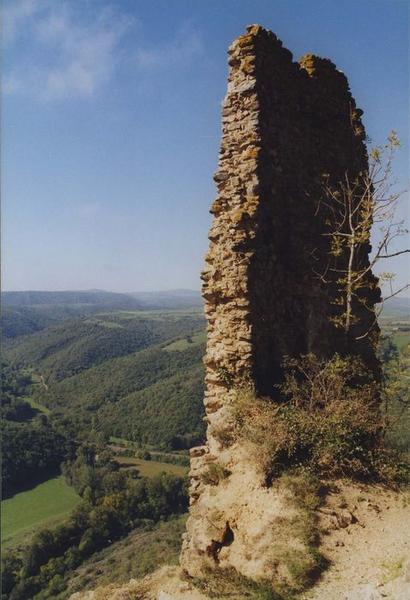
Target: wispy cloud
pixel 81 54
pixel 185 47
pixel 58 50
pixel 14 16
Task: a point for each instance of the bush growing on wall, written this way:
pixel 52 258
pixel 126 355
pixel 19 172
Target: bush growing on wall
pixel 327 419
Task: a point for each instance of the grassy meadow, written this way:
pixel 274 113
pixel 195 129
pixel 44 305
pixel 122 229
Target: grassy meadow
pixel 53 500
pixel 150 468
pixel 42 506
pixel 401 339
pixel 183 344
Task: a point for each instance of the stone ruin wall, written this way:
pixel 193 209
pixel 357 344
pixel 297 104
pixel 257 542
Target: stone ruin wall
pixel 284 126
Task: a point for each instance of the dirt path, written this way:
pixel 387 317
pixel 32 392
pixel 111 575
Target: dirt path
pixel 43 383
pixel 370 557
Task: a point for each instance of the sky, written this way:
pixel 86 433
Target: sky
pixel 111 126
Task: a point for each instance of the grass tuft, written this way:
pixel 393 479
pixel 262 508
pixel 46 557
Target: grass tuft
pixel 214 474
pixel 228 584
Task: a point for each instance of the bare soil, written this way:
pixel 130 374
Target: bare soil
pixel 368 551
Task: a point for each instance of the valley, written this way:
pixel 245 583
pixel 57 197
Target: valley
pixel 119 393
pixel 122 385
pixel 133 374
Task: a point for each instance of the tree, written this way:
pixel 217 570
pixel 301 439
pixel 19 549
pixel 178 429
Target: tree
pixel 353 208
pixel 10 569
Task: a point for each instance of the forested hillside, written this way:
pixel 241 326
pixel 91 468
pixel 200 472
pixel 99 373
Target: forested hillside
pixel 27 312
pixel 33 446
pixel 71 347
pixel 24 313
pixel 17 321
pixel 132 374
pixel 100 297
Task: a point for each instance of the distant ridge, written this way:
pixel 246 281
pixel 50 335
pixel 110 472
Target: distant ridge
pixel 35 298
pixel 29 311
pixel 180 298
pixel 397 307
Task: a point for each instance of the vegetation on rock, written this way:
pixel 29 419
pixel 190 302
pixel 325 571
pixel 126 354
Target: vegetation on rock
pixel 327 420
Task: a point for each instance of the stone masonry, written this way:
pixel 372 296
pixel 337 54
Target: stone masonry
pixel 285 127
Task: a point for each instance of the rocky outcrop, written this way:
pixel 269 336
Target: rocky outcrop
pixel 286 127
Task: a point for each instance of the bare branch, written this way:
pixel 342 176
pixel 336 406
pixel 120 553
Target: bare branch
pixel 395 253
pixel 405 287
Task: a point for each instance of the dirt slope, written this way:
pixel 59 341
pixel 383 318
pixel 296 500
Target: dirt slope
pixel 370 555
pixel 365 537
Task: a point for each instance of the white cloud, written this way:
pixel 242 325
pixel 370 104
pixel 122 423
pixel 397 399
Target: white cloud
pixel 58 50
pixel 81 54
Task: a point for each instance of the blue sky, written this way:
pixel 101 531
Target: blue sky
pixel 111 125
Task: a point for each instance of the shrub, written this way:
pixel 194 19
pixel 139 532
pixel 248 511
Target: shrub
pixel 144 454
pixel 214 474
pixel 303 565
pixel 327 419
pixel 224 435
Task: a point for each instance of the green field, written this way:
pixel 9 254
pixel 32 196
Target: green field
pixel 36 381
pixel 160 313
pixel 150 468
pixel 41 506
pixel 36 405
pixel 179 345
pixel 401 339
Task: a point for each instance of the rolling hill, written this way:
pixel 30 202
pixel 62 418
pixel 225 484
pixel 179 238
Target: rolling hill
pixel 24 313
pixel 27 312
pixel 93 297
pixel 66 349
pixel 169 299
pixel 132 374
